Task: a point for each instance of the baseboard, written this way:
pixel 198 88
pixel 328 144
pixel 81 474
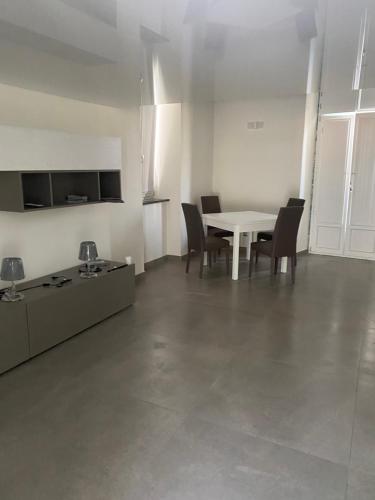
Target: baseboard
pixel 176 258
pixel 161 260
pixel 180 258
pixel 153 263
pixel 139 277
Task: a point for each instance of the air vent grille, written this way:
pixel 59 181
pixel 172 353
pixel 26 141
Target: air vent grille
pixel 257 125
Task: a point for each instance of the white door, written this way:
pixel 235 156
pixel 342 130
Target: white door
pixel 360 234
pixel 331 186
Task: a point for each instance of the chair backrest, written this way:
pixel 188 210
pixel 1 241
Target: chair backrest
pixel 296 202
pixel 194 227
pixel 286 231
pixel 210 205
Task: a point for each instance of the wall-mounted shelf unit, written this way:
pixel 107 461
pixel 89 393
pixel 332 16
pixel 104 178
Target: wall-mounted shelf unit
pixel 40 190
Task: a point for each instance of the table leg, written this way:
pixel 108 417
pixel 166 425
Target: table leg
pixel 284 265
pixel 236 254
pixel 250 237
pixel 205 259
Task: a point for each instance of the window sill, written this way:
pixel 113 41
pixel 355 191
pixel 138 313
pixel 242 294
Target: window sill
pixel 155 200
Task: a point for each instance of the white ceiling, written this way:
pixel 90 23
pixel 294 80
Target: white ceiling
pixel 103 10
pixel 214 49
pixel 268 62
pixel 252 15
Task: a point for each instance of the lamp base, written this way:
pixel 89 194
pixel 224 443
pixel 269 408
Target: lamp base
pixel 88 275
pixel 12 297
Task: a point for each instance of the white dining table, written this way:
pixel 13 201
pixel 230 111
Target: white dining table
pixel 243 222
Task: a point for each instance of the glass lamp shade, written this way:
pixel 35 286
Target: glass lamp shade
pixel 12 269
pixel 88 251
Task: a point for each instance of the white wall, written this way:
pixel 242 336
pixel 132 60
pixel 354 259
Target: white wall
pixel 260 169
pixel 168 170
pixel 183 163
pixel 55 150
pixel 155 230
pixel 308 165
pixel 127 220
pixel 197 150
pixel 310 133
pixel 206 148
pixel 197 155
pixel 49 240
pixel 342 41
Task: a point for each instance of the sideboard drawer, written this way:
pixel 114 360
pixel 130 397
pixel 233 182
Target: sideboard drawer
pixel 74 308
pixel 14 341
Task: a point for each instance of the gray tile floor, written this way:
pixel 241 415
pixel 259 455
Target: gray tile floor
pixel 205 390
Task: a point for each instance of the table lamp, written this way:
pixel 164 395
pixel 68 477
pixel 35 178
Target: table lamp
pixel 12 270
pixel 88 253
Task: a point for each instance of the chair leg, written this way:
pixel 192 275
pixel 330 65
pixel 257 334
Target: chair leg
pixel 272 265
pixel 256 257
pixel 293 270
pixel 253 256
pixel 215 257
pixel 276 265
pixel 210 259
pixel 295 260
pixel 188 262
pixel 201 265
pixel 227 262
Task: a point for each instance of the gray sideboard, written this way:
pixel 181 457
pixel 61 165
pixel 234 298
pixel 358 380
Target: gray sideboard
pixel 51 315
pixel 14 337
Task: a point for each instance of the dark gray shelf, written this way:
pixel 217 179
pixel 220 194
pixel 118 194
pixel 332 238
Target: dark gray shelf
pixel 155 200
pixel 30 191
pixel 74 183
pixel 110 185
pixel 37 188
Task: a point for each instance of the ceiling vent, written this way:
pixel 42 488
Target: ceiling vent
pixel 258 125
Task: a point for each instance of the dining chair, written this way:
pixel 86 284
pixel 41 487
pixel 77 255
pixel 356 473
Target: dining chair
pixel 292 202
pixel 283 243
pixel 211 205
pixel 197 240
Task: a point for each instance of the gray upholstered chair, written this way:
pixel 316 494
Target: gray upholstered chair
pixel 283 243
pixel 292 202
pixel 198 242
pixel 211 205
